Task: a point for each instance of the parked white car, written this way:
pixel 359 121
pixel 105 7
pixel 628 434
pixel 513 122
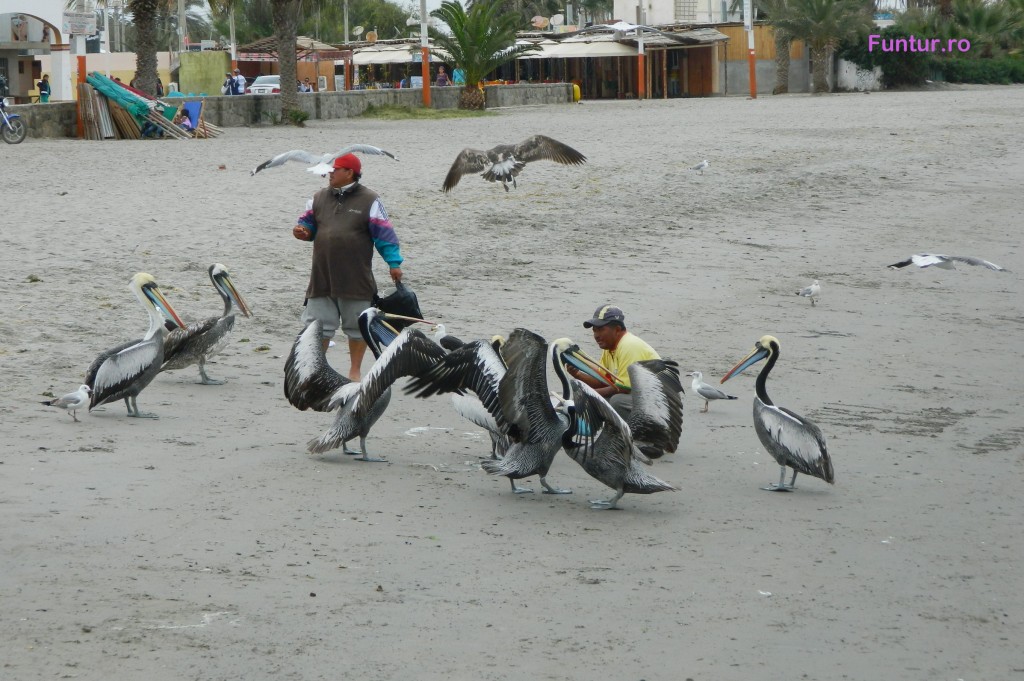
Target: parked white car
pixel 265 85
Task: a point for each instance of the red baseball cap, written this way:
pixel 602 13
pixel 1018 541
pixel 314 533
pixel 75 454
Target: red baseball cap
pixel 350 161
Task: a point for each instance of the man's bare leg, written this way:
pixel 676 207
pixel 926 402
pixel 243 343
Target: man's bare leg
pixel 356 350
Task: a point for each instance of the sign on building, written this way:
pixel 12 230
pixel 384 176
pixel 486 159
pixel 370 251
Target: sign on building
pixel 79 23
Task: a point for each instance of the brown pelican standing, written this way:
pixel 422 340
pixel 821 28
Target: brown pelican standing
pixel 505 161
pixel 791 439
pixel 124 371
pixel 602 443
pixel 707 392
pixel 73 401
pixel 360 404
pixel 203 339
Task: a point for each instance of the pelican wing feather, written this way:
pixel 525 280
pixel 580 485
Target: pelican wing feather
pixel 408 355
pixel 309 381
pixel 793 440
pixel 468 161
pixel 123 367
pixel 543 148
pixel 657 417
pixel 523 390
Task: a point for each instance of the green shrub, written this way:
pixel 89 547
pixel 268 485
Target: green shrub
pixel 1003 70
pixel 898 68
pixel 298 117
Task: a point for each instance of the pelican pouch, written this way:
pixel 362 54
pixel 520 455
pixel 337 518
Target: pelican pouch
pixel 403 301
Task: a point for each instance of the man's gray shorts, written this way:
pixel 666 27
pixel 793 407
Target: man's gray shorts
pixel 331 311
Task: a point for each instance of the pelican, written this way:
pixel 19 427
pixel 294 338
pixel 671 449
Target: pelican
pixel 702 166
pixel 812 291
pixel 505 161
pixel 203 339
pixel 73 401
pixel 124 371
pixel 478 367
pixel 319 163
pixel 361 403
pixel 601 442
pixel 708 392
pixel 945 262
pixel 791 439
pixel 656 419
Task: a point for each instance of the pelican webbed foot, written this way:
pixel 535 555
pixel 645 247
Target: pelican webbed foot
pixel 364 456
pixel 519 490
pixel 781 485
pixel 204 379
pixel 133 410
pixel 548 489
pixel 606 504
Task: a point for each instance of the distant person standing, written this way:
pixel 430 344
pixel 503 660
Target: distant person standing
pixel 442 77
pixel 239 88
pixel 228 86
pixel 44 89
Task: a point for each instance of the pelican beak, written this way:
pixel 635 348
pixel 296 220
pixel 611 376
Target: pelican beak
pixel 165 308
pixel 388 315
pixel 759 352
pixel 237 297
pixel 589 366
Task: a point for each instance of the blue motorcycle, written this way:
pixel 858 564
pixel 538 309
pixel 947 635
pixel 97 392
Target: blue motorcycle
pixel 12 128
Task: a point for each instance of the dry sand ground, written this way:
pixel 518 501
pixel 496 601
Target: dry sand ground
pixel 209 545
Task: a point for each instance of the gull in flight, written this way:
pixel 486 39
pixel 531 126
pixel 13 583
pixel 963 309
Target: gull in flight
pixel 812 291
pixel 319 163
pixel 505 161
pixel 72 401
pixel 702 166
pixel 707 392
pixel 944 261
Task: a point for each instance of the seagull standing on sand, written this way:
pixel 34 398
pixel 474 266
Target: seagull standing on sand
pixel 319 164
pixel 812 291
pixel 72 402
pixel 701 166
pixel 505 161
pixel 944 261
pixel 708 392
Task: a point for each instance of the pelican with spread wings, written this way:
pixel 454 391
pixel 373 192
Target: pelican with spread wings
pixel 505 161
pixel 319 164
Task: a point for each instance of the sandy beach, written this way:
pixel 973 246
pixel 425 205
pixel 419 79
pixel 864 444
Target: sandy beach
pixel 210 545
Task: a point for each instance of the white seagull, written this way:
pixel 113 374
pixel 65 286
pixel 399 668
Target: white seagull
pixel 812 291
pixel 702 166
pixel 319 163
pixel 708 392
pixel 944 261
pixel 72 401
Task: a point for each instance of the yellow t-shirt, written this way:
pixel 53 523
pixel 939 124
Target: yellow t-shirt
pixel 630 349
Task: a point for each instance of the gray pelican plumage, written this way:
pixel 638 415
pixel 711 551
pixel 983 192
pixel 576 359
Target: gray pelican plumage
pixel 656 418
pixel 73 401
pixel 124 371
pixel 505 161
pixel 203 339
pixel 793 440
pixel 601 442
pixel 319 163
pixel 477 367
pixel 360 404
pixel 945 262
pixel 708 392
pixel 812 291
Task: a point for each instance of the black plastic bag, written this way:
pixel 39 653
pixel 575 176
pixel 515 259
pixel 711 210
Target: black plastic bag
pixel 403 301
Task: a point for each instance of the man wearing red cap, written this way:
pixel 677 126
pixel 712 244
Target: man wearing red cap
pixel 346 221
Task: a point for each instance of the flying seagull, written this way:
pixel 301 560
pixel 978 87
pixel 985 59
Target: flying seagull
pixel 701 166
pixel 319 163
pixel 503 162
pixel 812 291
pixel 944 261
pixel 72 401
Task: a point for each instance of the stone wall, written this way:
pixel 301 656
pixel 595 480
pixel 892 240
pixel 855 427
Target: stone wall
pixel 58 119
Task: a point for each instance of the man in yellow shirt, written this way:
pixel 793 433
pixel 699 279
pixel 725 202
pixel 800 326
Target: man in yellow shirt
pixel 619 349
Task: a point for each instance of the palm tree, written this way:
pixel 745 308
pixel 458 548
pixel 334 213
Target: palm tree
pixel 286 26
pixel 144 15
pixel 822 25
pixel 481 40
